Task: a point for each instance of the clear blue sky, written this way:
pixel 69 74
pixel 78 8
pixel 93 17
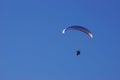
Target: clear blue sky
pixel 33 48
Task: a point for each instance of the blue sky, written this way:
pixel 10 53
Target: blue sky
pixel 33 48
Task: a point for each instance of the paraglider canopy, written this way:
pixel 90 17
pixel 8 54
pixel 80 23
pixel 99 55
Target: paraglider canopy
pixel 79 28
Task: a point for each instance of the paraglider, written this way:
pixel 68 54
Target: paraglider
pixel 78 28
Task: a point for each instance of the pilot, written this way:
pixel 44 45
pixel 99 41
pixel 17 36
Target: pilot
pixel 78 52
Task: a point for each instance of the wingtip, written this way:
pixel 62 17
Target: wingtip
pixel 63 31
pixel 91 36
